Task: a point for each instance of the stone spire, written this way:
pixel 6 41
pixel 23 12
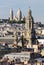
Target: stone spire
pixel 29 13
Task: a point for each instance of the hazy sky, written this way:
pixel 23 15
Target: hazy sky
pixel 37 7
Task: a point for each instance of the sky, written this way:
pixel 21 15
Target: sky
pixel 37 7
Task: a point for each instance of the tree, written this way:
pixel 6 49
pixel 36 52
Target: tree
pixel 22 39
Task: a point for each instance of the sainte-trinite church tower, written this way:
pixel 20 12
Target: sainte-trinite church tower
pixel 29 27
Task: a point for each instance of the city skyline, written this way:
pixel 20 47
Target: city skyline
pixel 37 8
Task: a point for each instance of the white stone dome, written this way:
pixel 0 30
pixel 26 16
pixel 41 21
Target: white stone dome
pixel 11 14
pixel 19 14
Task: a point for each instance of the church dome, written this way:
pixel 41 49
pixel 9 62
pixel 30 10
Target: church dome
pixel 11 14
pixel 19 14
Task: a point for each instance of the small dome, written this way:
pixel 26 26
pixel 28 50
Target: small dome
pixel 19 11
pixel 19 14
pixel 11 10
pixel 11 14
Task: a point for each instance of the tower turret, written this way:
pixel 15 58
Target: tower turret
pixel 28 26
pixel 29 13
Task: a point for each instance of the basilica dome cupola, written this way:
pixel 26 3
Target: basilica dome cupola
pixel 19 14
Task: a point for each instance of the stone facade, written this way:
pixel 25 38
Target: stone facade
pixel 29 26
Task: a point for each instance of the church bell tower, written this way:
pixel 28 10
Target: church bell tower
pixel 29 26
